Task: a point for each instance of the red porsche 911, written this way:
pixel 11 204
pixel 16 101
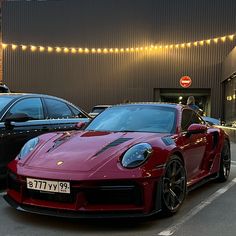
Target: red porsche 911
pixel 132 160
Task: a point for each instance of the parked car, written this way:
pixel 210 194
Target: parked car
pixel 24 116
pixel 132 160
pixel 4 88
pixel 98 109
pixel 211 120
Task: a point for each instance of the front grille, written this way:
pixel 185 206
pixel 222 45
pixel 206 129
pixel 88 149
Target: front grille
pixel 114 194
pixel 46 196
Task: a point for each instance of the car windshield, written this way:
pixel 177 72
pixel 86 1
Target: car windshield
pixel 4 101
pixel 135 118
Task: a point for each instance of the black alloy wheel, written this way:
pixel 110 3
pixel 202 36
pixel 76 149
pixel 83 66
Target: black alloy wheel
pixel 225 163
pixel 174 186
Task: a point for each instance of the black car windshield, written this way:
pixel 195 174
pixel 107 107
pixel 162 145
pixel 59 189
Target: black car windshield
pixel 4 101
pixel 135 118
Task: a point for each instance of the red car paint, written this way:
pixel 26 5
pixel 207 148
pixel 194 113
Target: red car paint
pixel 91 167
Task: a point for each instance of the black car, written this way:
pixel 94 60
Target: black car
pixel 24 116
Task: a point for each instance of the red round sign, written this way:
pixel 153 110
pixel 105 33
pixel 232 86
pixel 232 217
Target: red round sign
pixel 185 81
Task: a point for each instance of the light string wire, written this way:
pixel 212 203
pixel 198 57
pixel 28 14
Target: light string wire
pixel 80 50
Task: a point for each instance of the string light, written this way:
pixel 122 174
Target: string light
pixel 41 49
pixel 33 48
pixel 50 49
pixel 4 46
pixel 150 48
pixel 14 47
pixel 66 50
pixel 23 47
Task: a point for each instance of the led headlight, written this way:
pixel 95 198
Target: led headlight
pixel 28 147
pixel 136 155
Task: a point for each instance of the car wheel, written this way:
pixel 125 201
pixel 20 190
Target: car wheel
pixel 225 162
pixel 174 186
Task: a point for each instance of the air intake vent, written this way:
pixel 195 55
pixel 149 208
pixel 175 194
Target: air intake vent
pixel 113 144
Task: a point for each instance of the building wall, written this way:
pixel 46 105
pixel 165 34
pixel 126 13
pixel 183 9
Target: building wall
pixel 92 79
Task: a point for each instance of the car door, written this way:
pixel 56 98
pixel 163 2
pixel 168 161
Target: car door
pixel 62 115
pixel 15 136
pixel 194 145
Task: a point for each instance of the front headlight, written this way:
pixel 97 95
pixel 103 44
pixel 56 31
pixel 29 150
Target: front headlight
pixel 136 155
pixel 28 147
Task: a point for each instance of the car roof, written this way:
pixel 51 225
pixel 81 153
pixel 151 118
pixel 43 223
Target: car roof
pixel 162 104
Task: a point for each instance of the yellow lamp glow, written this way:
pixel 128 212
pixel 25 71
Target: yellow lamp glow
pixel 14 47
pixel 231 37
pixel 86 50
pixel 223 39
pixel 93 50
pixel 208 41
pixel 116 50
pixel 66 50
pixel 23 47
pixel 4 46
pixel 80 50
pixel 41 49
pixel 201 42
pixel 58 49
pixel 50 49
pixel 73 50
pixel 105 50
pixel 216 40
pixel 188 45
pixel 99 50
pixel 33 48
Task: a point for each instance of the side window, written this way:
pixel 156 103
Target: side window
pixel 186 119
pixel 196 119
pixel 30 106
pixel 57 109
pixel 189 117
pixel 77 113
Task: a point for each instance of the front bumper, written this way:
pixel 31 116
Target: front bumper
pixel 73 214
pixel 89 199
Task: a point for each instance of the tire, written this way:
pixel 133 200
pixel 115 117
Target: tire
pixel 225 162
pixel 173 186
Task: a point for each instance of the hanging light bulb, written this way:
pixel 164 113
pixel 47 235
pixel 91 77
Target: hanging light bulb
pixel 58 49
pixel 4 45
pixel 86 50
pixel 41 49
pixel 223 39
pixel 73 50
pixel 216 40
pixel 14 47
pixel 208 41
pixel 231 37
pixel 33 48
pixel 66 50
pixel 50 49
pixel 23 47
pixel 80 50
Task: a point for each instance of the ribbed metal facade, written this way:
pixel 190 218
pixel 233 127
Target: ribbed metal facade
pixel 92 79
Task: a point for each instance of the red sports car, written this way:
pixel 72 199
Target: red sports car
pixel 132 160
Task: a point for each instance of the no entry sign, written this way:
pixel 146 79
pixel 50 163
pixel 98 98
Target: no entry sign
pixel 185 81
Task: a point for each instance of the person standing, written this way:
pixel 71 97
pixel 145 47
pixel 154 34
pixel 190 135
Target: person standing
pixel 192 105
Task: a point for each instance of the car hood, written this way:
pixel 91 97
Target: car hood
pixel 84 151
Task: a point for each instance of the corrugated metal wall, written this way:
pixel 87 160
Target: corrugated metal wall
pixel 90 79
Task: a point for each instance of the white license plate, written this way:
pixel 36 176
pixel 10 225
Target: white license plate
pixel 48 186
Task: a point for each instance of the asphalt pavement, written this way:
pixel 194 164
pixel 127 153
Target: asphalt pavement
pixel 209 210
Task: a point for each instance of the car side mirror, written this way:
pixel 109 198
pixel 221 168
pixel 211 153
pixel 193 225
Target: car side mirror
pixel 17 117
pixel 80 125
pixel 196 129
